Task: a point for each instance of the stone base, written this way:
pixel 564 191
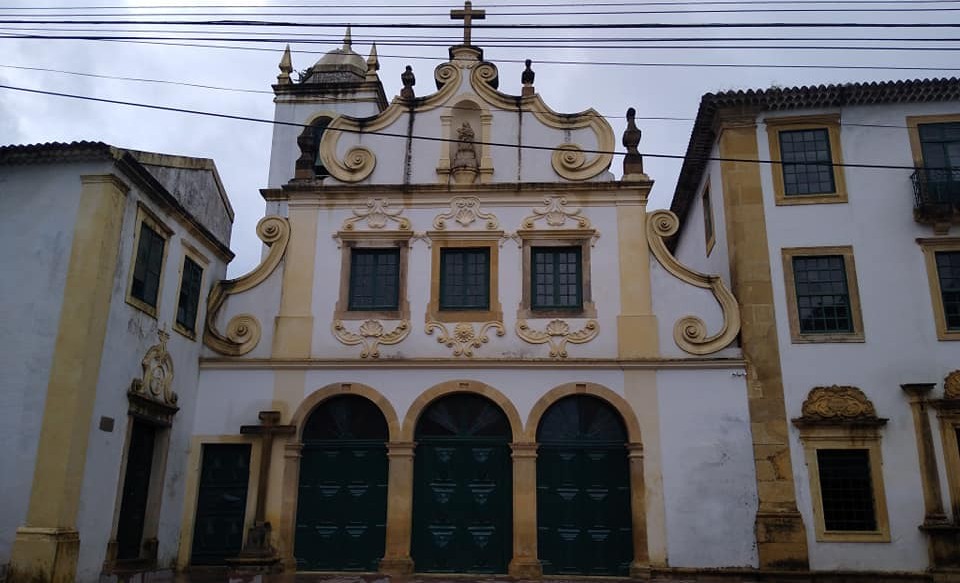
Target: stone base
pixel 640 571
pixel 396 567
pixel 782 541
pixel 525 569
pixel 44 555
pixel 943 540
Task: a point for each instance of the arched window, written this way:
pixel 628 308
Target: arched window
pixel 319 126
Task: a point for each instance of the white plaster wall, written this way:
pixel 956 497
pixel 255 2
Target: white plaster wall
pixel 709 482
pixel 39 210
pixel 691 247
pixel 130 333
pixel 901 344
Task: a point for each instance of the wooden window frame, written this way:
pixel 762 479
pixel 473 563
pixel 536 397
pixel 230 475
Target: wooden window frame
pixel 930 248
pixel 829 122
pixel 913 130
pixel 351 240
pixel 709 225
pixel 146 216
pixel 853 291
pixel 449 300
pixel 465 239
pixel 556 238
pixel 191 252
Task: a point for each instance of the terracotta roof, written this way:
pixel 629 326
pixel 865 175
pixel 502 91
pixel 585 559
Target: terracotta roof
pixel 55 151
pixel 703 137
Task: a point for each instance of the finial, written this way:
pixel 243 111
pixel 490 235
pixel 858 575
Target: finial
pixel 373 64
pixel 408 81
pixel 632 161
pixel 526 78
pixel 347 40
pixel 286 67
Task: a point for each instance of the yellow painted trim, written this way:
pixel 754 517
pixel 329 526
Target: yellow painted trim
pixel 831 123
pixel 243 331
pixel 853 290
pixel 637 335
pixel 373 240
pixel 930 248
pixel 460 386
pixel 690 332
pixel 146 216
pixel 460 240
pixel 316 398
pixel 692 363
pixel 593 389
pixel 293 326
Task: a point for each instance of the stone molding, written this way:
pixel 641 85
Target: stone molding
pixel 371 334
pixel 557 334
pixel 463 339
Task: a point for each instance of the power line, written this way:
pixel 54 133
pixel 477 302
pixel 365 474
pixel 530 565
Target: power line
pixel 418 137
pixel 491 5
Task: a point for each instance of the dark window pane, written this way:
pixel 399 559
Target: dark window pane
pixel 465 279
pixel 189 294
pixel 846 489
pixel 948 272
pixel 463 415
pixel 556 278
pixel 374 279
pixel 807 162
pixel 823 299
pixel 146 269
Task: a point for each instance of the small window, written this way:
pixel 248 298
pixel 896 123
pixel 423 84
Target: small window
pixel 940 144
pixel 948 275
pixel 823 301
pixel 807 162
pixel 556 278
pixel 318 128
pixel 846 489
pixel 709 235
pixel 465 279
pixel 374 279
pixel 189 299
pixel 149 262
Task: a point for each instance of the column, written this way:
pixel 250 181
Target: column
pixel 396 560
pixel 636 323
pixel 640 567
pixel 929 478
pixel 288 506
pixel 525 564
pixel 293 334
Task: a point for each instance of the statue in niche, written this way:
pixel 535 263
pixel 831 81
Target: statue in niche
pixel 465 165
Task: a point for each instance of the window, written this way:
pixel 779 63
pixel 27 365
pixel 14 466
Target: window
pixel 318 127
pixel 940 145
pixel 811 168
pixel 822 295
pixel 374 279
pixel 846 490
pixel 556 278
pixel 942 257
pixel 465 279
pixel 149 251
pixel 191 281
pixel 709 235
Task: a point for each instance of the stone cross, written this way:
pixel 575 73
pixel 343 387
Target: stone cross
pixel 467 15
pixel 268 428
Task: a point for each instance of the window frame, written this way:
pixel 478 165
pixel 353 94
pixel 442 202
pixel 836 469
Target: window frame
pixel 350 240
pixel 147 217
pixel 930 249
pixel 853 293
pixel 828 122
pixel 190 252
pixel 709 226
pixel 913 129
pixel 582 238
pixel 446 252
pixel 378 252
pixel 531 275
pixel 465 239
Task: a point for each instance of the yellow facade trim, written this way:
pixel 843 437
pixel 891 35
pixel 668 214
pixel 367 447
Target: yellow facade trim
pixel 930 249
pixel 461 240
pixel 829 122
pixel 637 336
pixel 853 292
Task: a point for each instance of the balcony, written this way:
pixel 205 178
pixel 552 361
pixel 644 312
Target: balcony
pixel 936 197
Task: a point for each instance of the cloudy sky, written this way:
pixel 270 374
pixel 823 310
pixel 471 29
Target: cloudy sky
pixel 660 72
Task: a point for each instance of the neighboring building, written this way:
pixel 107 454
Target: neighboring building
pixel 108 255
pixel 846 265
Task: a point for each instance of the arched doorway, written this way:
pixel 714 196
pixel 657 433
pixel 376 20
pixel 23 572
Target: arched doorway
pixel 342 501
pixel 583 489
pixel 463 487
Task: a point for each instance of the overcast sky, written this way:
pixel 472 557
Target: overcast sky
pixel 578 77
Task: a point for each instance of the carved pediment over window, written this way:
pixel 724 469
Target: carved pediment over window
pixel 465 210
pixel 836 405
pixel 556 214
pixel 377 214
pixel 152 395
pixel 951 385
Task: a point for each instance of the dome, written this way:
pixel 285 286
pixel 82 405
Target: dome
pixel 338 63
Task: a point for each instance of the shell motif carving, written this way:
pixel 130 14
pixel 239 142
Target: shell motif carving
pixel 556 214
pixel 838 403
pixel 557 333
pixel 463 339
pixel 951 385
pixel 377 213
pixel 465 210
pixel 371 334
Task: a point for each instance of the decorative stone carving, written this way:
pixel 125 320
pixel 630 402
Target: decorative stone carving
pixel 558 334
pixel 465 165
pixel 951 385
pixel 690 332
pixel 838 405
pixel 632 161
pixel 466 210
pixel 556 214
pixel 152 394
pixel 377 213
pixel 409 80
pixel 371 334
pixel 243 331
pixel 464 338
pixel 526 79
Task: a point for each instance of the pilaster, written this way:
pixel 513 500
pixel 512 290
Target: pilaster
pixel 640 567
pixel 525 564
pixel 396 560
pixel 636 323
pixel 293 334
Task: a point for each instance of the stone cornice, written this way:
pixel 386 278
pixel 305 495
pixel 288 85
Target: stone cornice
pixel 488 363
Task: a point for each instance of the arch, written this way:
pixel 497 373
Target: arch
pixel 600 391
pixel 460 386
pixel 336 389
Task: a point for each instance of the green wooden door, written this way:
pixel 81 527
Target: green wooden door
pixel 342 502
pixel 221 503
pixel 583 489
pixel 462 501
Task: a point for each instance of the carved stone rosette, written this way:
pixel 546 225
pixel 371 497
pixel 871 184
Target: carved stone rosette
pixel 464 339
pixel 558 334
pixel 951 385
pixel 838 405
pixel 465 210
pixel 371 334
pixel 377 213
pixel 152 394
pixel 556 214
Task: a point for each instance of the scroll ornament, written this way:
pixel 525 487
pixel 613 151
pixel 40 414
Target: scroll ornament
pixel 371 334
pixel 377 213
pixel 243 331
pixel 465 210
pixel 690 332
pixel 558 334
pixel 556 214
pixel 838 404
pixel 464 339
pixel 156 384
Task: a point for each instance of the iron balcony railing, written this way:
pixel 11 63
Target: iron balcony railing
pixel 936 191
